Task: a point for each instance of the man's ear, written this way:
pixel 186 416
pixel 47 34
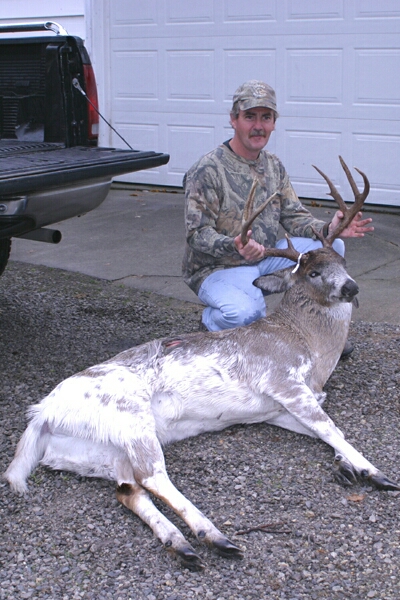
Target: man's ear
pixel 275 283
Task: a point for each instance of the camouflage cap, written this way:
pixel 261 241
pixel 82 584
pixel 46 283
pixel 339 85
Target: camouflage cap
pixel 255 93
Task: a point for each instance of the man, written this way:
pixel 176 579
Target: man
pixel 216 265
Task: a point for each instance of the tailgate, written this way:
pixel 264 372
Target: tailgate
pixel 33 166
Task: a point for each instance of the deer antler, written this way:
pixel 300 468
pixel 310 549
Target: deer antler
pixel 249 216
pixel 349 213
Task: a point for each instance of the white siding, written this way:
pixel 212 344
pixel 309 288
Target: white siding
pixel 69 14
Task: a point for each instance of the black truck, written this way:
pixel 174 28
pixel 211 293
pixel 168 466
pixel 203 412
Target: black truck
pixel 51 167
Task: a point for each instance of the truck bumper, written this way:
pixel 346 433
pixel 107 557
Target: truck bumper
pixel 30 211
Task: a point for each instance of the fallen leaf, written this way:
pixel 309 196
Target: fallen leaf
pixel 356 497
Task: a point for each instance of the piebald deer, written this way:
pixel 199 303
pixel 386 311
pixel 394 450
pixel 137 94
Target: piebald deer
pixel 112 419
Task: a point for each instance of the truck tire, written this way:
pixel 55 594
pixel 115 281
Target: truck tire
pixel 5 249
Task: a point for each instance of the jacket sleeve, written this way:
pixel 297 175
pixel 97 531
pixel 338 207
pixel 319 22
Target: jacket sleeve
pixel 202 205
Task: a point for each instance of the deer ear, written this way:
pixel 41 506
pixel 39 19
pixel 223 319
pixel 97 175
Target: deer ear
pixel 275 283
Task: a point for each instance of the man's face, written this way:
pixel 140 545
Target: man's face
pixel 253 128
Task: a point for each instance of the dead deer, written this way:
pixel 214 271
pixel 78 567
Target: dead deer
pixel 112 419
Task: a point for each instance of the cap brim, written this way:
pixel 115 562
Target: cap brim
pixel 255 102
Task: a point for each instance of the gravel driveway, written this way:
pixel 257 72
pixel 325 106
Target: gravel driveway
pixel 271 491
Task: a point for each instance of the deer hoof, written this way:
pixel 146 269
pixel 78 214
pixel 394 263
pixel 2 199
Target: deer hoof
pixel 381 482
pixel 189 558
pixel 343 471
pixel 227 549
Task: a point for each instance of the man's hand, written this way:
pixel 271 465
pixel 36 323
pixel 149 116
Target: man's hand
pixel 356 228
pixel 252 251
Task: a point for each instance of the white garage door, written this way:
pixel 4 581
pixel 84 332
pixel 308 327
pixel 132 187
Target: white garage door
pixel 335 65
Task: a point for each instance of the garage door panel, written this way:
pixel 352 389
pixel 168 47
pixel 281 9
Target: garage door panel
pixel 309 9
pixel 141 136
pixel 186 153
pixel 184 12
pixel 190 75
pixel 126 12
pixel 384 64
pixel 303 149
pixel 134 64
pixel 241 64
pixel 371 9
pixel 247 12
pixel 380 156
pixel 314 75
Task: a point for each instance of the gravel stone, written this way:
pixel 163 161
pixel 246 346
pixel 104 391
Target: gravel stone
pixel 71 539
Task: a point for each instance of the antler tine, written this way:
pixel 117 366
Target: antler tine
pixel 248 215
pixel 290 252
pixel 333 191
pixel 359 199
pixel 247 212
pixel 248 207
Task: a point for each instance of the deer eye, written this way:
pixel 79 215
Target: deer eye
pixel 314 274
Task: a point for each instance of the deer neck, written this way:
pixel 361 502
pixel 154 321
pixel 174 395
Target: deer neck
pixel 322 325
pixel 320 331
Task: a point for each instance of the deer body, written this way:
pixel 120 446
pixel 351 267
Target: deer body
pixel 112 419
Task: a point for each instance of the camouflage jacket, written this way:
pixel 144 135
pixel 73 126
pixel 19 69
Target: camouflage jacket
pixel 216 188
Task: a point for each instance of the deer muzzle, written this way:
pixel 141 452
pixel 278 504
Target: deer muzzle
pixel 349 290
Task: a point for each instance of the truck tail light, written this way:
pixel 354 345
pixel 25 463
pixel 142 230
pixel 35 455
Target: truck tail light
pixel 91 92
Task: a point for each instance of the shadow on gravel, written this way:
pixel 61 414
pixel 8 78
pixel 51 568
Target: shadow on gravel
pixel 271 491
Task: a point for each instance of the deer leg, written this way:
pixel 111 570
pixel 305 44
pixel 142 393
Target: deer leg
pixel 350 465
pixel 134 497
pixel 152 476
pixel 288 421
pixel 161 486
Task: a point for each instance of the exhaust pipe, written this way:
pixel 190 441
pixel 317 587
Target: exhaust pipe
pixel 51 236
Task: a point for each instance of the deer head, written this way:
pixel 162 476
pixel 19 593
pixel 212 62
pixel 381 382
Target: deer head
pixel 333 284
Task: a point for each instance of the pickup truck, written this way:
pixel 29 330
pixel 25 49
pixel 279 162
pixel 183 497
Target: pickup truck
pixel 51 167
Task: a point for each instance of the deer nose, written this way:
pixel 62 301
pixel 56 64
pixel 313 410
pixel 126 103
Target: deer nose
pixel 350 289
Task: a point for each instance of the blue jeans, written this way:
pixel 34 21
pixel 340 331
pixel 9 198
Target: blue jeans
pixel 230 296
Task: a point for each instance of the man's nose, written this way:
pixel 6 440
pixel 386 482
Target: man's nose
pixel 258 123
